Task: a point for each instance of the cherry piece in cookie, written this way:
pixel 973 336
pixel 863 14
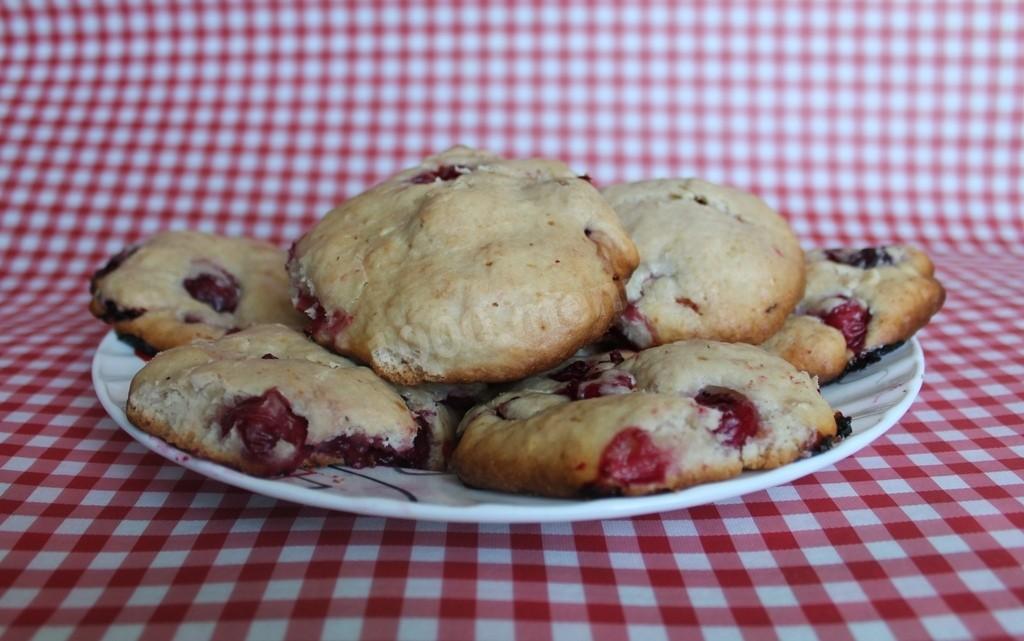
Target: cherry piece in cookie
pixel 691 412
pixel 602 383
pixel 323 327
pixel 181 286
pixel 444 172
pixel 214 286
pixel 265 422
pixel 359 451
pixel 740 421
pixel 866 258
pixel 272 401
pixel 594 378
pixel 851 318
pixel 632 458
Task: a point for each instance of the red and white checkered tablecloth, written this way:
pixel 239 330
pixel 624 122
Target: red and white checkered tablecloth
pixel 861 121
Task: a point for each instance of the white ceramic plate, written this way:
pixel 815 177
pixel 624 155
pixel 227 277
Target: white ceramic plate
pixel 874 398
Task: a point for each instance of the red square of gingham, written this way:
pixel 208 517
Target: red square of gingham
pixel 862 122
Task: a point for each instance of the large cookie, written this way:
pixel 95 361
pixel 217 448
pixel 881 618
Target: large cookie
pixel 180 286
pixel 466 268
pixel 267 400
pixel 859 303
pixel 641 422
pixel 715 263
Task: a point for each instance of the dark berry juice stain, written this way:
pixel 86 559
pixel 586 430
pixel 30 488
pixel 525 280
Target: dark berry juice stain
pixel 114 313
pixel 869 358
pixel 359 450
pixel 142 349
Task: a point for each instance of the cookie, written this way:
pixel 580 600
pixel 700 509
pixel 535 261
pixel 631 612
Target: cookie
pixel 811 346
pixel 640 422
pixel 859 304
pixel 181 286
pixel 466 268
pixel 267 400
pixel 715 263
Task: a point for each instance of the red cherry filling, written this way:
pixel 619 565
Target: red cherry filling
pixel 633 316
pixel 863 258
pixel 632 457
pixel 359 450
pixel 606 383
pixel 115 261
pixel 851 318
pixel 324 328
pixel 215 287
pixel 444 172
pixel 576 371
pixel 587 380
pixel 263 422
pixel 739 420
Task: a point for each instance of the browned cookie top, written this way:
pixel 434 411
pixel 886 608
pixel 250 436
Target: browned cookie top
pixel 715 263
pixel 640 422
pixel 857 303
pixel 267 400
pixel 179 286
pixel 466 268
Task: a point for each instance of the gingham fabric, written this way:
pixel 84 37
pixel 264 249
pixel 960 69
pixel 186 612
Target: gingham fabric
pixel 861 121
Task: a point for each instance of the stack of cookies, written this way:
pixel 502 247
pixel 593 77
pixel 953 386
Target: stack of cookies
pixel 506 320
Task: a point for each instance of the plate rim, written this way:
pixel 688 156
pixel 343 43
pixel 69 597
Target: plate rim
pixel 559 510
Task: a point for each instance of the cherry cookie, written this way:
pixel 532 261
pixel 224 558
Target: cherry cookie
pixel 641 422
pixel 180 286
pixel 715 263
pixel 467 268
pixel 859 304
pixel 267 400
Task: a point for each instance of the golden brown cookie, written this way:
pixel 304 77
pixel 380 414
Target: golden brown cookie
pixel 466 268
pixel 267 400
pixel 181 286
pixel 858 304
pixel 715 263
pixel 641 422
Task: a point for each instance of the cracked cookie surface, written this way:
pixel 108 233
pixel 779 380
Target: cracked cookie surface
pixel 267 401
pixel 639 422
pixel 859 302
pixel 466 268
pixel 715 263
pixel 181 286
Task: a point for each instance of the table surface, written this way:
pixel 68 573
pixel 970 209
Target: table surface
pixel 861 123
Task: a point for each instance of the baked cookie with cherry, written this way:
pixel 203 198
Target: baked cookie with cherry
pixel 858 305
pixel 180 286
pixel 640 422
pixel 466 268
pixel 267 400
pixel 715 263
